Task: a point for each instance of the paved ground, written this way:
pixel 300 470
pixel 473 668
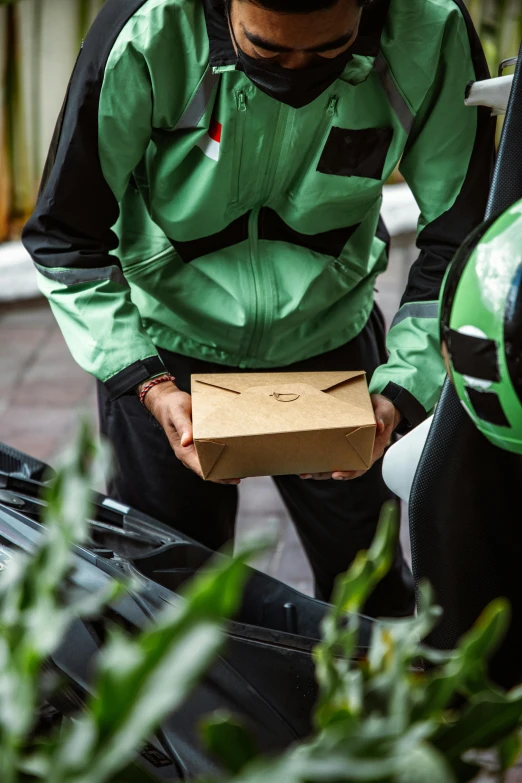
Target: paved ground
pixel 42 391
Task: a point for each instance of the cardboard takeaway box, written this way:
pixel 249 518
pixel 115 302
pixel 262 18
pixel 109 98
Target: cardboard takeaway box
pixel 269 424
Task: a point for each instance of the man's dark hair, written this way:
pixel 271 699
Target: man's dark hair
pixel 301 6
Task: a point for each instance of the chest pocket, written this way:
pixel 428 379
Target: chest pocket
pixel 355 153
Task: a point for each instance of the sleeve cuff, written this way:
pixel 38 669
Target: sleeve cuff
pixel 412 411
pixel 125 381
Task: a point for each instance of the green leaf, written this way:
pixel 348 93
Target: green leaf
pixel 340 694
pixel 424 764
pixel 141 680
pixel 34 765
pixel 508 750
pixel 229 741
pixel 466 664
pixel 488 631
pixel 33 614
pixel 368 568
pixel 333 768
pixel 482 724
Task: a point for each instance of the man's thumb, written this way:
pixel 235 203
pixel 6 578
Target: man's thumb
pixel 186 438
pixel 183 424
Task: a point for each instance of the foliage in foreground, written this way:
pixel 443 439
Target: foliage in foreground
pixel 403 713
pixel 130 698
pixel 393 716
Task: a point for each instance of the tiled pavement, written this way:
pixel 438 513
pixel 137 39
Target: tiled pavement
pixel 42 391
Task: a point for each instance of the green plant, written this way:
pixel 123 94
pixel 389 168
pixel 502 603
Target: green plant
pixel 405 713
pixel 129 696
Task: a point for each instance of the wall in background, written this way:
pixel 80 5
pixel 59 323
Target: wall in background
pixel 39 43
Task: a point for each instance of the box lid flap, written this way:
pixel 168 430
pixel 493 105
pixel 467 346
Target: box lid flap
pixel 208 453
pixel 282 407
pixel 240 382
pixel 361 440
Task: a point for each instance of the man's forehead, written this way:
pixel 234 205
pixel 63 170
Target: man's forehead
pixel 322 46
pixel 305 31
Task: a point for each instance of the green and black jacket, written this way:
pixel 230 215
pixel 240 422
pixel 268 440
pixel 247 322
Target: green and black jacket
pixel 182 208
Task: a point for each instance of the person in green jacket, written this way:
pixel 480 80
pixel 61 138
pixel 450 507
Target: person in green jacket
pixel 211 203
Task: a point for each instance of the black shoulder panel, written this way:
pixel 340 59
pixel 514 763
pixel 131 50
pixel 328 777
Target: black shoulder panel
pixel 441 238
pixel 76 207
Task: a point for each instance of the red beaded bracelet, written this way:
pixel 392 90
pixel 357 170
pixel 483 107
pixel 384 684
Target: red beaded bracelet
pixel 148 386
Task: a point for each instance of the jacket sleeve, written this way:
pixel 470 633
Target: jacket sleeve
pixel 447 164
pixel 101 135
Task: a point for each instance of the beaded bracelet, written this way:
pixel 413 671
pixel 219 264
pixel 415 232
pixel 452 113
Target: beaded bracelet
pixel 159 379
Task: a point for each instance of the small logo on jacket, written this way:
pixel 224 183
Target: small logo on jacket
pixel 210 143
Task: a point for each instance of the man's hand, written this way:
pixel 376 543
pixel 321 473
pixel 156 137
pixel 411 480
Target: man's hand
pixel 173 410
pixel 387 417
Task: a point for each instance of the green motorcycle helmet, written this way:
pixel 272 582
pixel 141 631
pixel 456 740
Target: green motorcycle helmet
pixel 481 327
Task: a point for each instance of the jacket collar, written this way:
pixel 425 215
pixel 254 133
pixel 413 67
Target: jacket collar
pixel 222 51
pixel 373 19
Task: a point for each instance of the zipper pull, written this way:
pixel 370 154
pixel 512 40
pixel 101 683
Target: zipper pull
pixel 332 106
pixel 241 101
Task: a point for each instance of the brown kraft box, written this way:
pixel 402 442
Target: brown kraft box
pixel 269 424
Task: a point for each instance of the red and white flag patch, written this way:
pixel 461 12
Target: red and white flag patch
pixel 211 142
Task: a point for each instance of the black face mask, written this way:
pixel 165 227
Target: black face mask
pixel 294 86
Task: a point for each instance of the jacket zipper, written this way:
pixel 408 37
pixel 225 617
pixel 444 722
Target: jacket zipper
pixel 317 143
pixel 262 288
pixel 240 130
pixel 253 241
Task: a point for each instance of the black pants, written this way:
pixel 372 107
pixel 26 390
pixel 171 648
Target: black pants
pixel 334 519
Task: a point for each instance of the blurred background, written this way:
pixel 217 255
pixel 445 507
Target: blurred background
pixel 41 389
